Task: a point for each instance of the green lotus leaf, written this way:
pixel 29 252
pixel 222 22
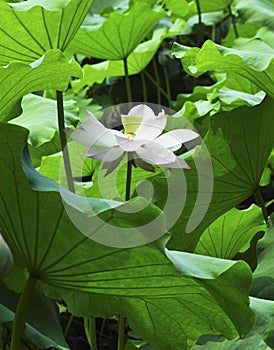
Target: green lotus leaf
pixel 141 282
pixel 30 28
pixel 46 331
pixel 263 285
pixel 118 35
pixel 40 113
pixel 231 233
pixel 238 143
pixel 252 60
pixel 137 61
pixel 52 71
pixel 256 11
pixel 257 338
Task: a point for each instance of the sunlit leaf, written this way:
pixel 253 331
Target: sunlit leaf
pixel 252 60
pixel 41 114
pixel 257 338
pixel 178 8
pixel 239 143
pixel 231 233
pixel 212 6
pixel 256 11
pixel 118 35
pixel 29 28
pixel 137 61
pixel 52 71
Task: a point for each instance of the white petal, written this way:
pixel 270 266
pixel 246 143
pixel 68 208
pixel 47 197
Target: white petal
pixel 80 136
pixel 141 111
pixel 128 145
pixel 151 127
pixel 155 154
pixel 179 163
pixel 106 156
pixel 99 134
pixel 110 166
pixel 174 139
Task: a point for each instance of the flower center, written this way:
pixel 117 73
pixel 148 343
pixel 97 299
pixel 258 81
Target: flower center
pixel 131 123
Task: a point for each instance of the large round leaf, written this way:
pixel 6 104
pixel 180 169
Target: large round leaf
pixel 28 29
pixel 141 282
pixel 252 60
pixel 52 71
pixel 117 36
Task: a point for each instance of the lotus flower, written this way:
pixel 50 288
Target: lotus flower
pixel 140 140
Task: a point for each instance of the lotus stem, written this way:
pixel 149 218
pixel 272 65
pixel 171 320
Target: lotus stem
pixel 167 85
pixel 63 140
pixel 233 22
pixel 155 83
pixel 260 202
pixel 90 329
pixel 157 79
pixel 128 181
pixel 144 86
pixel 18 323
pixel 127 79
pixel 121 332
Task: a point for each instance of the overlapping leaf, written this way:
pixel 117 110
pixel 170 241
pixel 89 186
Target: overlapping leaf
pixel 28 29
pixel 44 331
pixel 40 114
pixel 137 61
pixel 52 71
pixel 260 336
pixel 118 35
pixel 263 286
pixel 252 60
pixel 231 233
pixel 239 143
pixel 141 282
pixel 212 6
pixel 256 11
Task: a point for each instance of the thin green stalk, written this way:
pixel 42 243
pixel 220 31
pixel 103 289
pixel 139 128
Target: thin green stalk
pixel 155 83
pixel 144 86
pixel 233 22
pixel 260 202
pixel 18 323
pixel 200 30
pixel 121 332
pixel 157 79
pixel 128 181
pixel 127 79
pixel 121 319
pixel 90 329
pixel 167 85
pixel 199 11
pixel 214 33
pixel 63 140
pixel 68 326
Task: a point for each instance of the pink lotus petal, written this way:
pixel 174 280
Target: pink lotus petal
pixel 107 156
pixel 174 139
pixel 155 154
pixel 128 145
